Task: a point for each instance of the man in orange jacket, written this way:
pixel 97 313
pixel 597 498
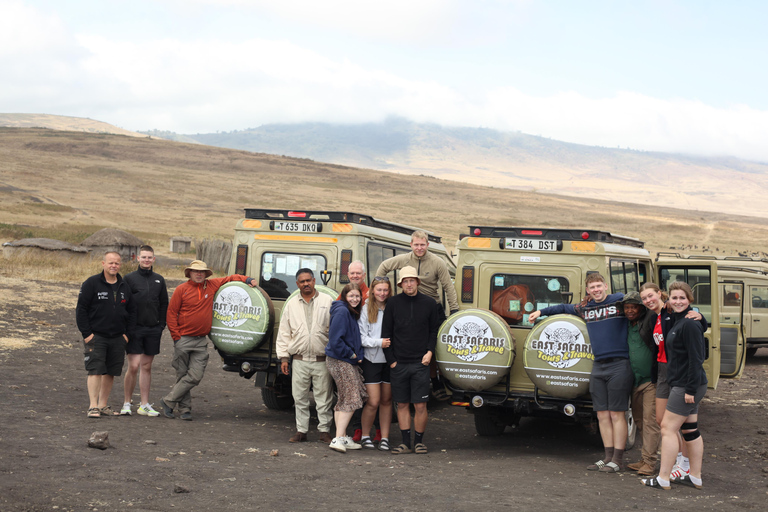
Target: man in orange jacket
pixel 190 314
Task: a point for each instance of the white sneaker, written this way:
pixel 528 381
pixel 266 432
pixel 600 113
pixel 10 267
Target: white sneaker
pixel 338 444
pixel 350 444
pixel 126 410
pixel 147 410
pixel 678 472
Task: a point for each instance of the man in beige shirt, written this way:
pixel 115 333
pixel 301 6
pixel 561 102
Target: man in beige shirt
pixel 303 335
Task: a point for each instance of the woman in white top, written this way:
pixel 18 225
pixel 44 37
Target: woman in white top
pixel 375 367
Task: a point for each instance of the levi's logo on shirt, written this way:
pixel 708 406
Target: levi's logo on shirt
pixel 597 313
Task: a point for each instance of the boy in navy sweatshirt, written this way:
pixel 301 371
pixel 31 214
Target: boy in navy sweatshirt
pixel 611 381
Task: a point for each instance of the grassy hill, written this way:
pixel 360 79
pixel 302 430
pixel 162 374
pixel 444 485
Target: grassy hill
pixel 66 185
pixel 515 160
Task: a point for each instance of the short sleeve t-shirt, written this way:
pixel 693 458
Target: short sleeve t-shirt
pixel 658 337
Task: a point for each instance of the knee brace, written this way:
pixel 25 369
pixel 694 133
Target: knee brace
pixel 690 436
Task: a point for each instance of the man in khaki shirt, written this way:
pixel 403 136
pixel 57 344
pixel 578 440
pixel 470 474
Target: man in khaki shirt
pixel 303 335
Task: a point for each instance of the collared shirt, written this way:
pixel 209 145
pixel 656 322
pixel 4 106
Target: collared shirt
pixel 304 327
pixel 640 357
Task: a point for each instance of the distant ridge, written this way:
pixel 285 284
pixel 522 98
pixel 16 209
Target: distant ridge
pixel 65 123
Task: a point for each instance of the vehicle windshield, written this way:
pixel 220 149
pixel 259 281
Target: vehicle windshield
pixel 514 297
pixel 278 271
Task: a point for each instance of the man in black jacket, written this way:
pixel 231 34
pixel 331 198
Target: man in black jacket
pixel 150 295
pixel 105 315
pixel 411 321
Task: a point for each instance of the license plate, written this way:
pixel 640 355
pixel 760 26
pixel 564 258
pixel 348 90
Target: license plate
pixel 299 227
pixel 530 244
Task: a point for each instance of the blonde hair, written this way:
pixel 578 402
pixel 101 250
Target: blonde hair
pixel 374 305
pixel 655 287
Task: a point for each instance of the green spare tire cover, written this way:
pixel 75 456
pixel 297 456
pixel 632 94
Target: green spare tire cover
pixel 558 356
pixel 242 318
pixel 475 349
pixel 321 288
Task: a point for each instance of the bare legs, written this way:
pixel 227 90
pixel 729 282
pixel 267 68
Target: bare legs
pixel 136 361
pixel 379 398
pixel 99 388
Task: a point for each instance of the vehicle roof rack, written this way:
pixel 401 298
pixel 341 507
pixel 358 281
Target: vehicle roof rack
pixel 330 216
pixel 582 235
pixel 709 257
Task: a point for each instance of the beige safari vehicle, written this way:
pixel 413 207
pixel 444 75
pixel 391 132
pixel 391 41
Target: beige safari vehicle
pixel 500 367
pixel 272 245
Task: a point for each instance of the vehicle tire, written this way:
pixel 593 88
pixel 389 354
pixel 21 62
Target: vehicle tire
pixel 631 430
pixel 557 356
pixel 243 318
pixel 751 352
pixel 489 422
pixel 276 401
pixel 475 349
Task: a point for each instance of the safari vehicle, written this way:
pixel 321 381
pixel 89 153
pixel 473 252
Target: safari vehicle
pixel 743 303
pixel 500 367
pixel 272 245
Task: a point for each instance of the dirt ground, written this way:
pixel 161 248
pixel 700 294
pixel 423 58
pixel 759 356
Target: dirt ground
pixel 223 460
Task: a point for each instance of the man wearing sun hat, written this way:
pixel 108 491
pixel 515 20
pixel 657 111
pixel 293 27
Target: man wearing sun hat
pixel 411 321
pixel 190 314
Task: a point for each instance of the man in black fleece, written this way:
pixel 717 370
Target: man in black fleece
pixel 151 297
pixel 105 316
pixel 411 322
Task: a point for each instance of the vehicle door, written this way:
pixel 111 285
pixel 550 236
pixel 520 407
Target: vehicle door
pixel 732 318
pixel 758 314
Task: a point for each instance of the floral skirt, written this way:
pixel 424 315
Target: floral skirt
pixel 349 385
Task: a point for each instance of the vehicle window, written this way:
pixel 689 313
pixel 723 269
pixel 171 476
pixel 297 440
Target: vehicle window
pixel 698 279
pixel 624 276
pixel 514 297
pixel 376 253
pixel 759 296
pixel 278 271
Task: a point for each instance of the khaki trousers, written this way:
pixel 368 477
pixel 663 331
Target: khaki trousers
pixel 190 357
pixel 315 374
pixel 644 414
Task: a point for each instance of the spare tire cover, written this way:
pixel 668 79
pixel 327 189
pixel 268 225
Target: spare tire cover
pixel 321 288
pixel 475 349
pixel 242 317
pixel 558 356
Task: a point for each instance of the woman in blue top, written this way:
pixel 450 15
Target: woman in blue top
pixel 344 353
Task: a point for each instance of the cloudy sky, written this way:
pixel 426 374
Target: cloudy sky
pixel 666 75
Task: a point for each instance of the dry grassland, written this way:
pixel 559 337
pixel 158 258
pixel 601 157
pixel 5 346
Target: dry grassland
pixel 66 185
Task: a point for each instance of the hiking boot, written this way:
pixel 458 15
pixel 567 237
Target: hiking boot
pixel 635 465
pixel 324 437
pixel 167 411
pixel 298 437
pixel 187 416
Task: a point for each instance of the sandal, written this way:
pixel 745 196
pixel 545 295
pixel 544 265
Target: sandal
pixel 654 482
pixel 94 412
pixel 384 445
pixel 397 450
pixel 685 480
pixel 107 411
pixel 420 448
pixel 367 443
pixel 596 466
pixel 610 467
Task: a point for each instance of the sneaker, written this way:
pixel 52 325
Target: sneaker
pixel 358 435
pixel 126 410
pixel 678 472
pixel 377 437
pixel 147 410
pixel 350 444
pixel 338 444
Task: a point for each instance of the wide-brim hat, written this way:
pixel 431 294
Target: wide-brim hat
pixel 406 272
pixel 632 298
pixel 198 265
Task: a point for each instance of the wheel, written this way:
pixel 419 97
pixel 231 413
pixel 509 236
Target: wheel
pixel 631 430
pixel 489 423
pixel 243 318
pixel 274 400
pixel 751 351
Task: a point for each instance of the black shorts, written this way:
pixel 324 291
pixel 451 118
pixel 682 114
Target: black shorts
pixel 375 373
pixel 410 383
pixel 611 384
pixel 146 340
pixel 677 405
pixel 104 356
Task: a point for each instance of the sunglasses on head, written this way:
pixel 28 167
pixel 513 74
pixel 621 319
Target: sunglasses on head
pixel 377 278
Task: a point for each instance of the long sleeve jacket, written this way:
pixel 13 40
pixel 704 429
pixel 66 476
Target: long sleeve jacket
pixel 343 335
pixel 150 295
pixel 431 269
pixel 103 309
pixel 295 336
pixel 411 323
pixel 685 354
pixel 190 312
pixel 370 336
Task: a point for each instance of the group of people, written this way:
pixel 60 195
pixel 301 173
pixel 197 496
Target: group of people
pixel 375 346
pixel 649 349
pixel 119 317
